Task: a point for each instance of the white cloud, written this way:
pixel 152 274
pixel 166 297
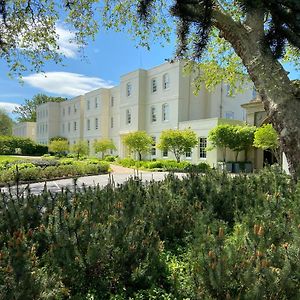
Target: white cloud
pixel 65 83
pixel 66 43
pixel 8 106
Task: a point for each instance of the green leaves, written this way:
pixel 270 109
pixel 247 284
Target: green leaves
pixel 138 141
pixel 177 141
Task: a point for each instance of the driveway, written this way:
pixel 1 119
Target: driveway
pixel 118 176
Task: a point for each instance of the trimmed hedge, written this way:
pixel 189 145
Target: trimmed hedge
pixel 36 170
pixel 9 144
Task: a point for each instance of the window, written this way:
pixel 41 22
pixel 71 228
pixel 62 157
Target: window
pixel 202 147
pixel 75 126
pixel 128 116
pixel 69 127
pixel 96 102
pixel 153 85
pixel 46 127
pixel 96 123
pixel 165 112
pixel 128 89
pixel 229 90
pixel 166 81
pixel 46 112
pixel 188 154
pixel 69 110
pixel 153 114
pixel 64 111
pixel 165 153
pixel 88 105
pixel 75 108
pixel 153 149
pixel 112 100
pixel 88 124
pixel 111 122
pixel 63 127
pixel 88 143
pixel 229 115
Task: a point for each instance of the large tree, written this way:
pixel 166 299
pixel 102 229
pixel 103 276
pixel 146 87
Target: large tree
pixel 27 111
pixel 6 123
pixel 219 35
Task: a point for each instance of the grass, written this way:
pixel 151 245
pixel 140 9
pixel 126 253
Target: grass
pixel 10 158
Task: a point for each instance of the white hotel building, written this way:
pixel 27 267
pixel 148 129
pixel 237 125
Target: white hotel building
pixel 150 100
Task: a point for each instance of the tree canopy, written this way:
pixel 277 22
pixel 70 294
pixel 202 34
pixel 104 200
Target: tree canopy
pixel 27 111
pixel 103 145
pixel 139 142
pixel 178 141
pixel 227 39
pixel 6 123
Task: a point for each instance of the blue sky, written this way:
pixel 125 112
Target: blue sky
pixel 108 57
pixel 111 55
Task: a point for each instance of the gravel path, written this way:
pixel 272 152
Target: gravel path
pixel 117 176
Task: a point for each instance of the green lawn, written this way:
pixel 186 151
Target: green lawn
pixel 10 158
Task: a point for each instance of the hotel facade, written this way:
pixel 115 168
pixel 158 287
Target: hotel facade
pixel 150 100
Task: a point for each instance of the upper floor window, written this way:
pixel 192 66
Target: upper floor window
pixel 96 123
pixel 64 111
pixel 96 102
pixel 75 108
pixel 229 115
pixel 165 112
pixel 69 127
pixel 112 100
pixel 202 147
pixel 153 85
pixel 153 114
pixel 128 116
pixel 69 109
pixel 63 127
pixel 166 81
pixel 229 90
pixel 111 122
pixel 88 105
pixel 88 121
pixel 75 126
pixel 128 89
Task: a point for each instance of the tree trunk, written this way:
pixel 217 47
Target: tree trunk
pixel 279 95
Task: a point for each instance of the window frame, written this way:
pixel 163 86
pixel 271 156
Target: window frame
pixel 202 147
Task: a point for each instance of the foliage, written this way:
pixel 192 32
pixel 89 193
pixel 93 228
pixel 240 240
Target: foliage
pixel 27 111
pixel 266 138
pixel 222 136
pixel 103 145
pixel 59 146
pixel 178 141
pixel 138 142
pixel 39 170
pixel 8 144
pixel 210 236
pixel 58 138
pixel 80 148
pixel 6 123
pixel 243 139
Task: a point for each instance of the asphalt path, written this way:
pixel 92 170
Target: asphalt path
pixel 116 178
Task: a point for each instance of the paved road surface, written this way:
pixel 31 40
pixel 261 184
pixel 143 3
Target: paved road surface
pixel 118 175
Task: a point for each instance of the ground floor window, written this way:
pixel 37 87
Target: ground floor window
pixel 165 153
pixel 202 147
pixel 153 149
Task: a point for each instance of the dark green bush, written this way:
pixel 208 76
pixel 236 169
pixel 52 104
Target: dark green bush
pixel 210 236
pixel 8 144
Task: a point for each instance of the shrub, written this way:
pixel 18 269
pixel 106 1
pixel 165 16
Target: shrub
pixel 8 144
